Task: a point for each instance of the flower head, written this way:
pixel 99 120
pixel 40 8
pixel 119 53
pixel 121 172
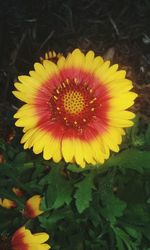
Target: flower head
pixel 6 203
pixel 52 56
pixel 75 109
pixel 18 191
pixel 32 207
pixel 23 239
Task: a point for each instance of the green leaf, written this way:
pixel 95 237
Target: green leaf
pixel 50 221
pixel 83 194
pixel 59 189
pixel 133 233
pixel 131 159
pixel 147 135
pixel 20 158
pixel 119 243
pixel 76 169
pixel 64 191
pixel 121 235
pixel 114 208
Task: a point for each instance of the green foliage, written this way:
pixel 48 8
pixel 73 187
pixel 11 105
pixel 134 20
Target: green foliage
pixel 102 207
pixel 62 187
pixel 131 159
pixel 125 240
pixel 83 194
pixel 113 208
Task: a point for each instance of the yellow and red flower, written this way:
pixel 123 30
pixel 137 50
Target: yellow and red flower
pixel 75 109
pixel 23 239
pixel 32 207
pixel 18 191
pixel 52 56
pixel 6 203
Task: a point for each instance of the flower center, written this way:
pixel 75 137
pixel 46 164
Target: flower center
pixel 73 102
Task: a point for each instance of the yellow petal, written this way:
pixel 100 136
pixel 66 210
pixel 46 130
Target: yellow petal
pixel 40 70
pixel 28 134
pixel 67 149
pixel 50 68
pixel 102 69
pixel 76 59
pixel 97 62
pixel 78 152
pixel 36 139
pixel 22 97
pixel 123 102
pixel 61 62
pixel 28 122
pixel 52 148
pixel 121 123
pixel 121 115
pixel 41 237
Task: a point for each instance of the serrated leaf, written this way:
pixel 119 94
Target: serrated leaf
pixel 59 189
pixel 76 169
pixel 113 209
pixel 64 191
pixel 83 194
pixel 131 159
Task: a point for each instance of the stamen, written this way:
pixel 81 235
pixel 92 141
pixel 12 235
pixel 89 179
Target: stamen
pixel 67 81
pixel 94 99
pixel 64 85
pixel 75 80
pixel 73 104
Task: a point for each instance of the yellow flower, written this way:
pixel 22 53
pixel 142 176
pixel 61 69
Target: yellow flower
pixel 6 203
pixel 52 56
pixel 17 191
pixel 32 207
pixel 75 109
pixel 23 239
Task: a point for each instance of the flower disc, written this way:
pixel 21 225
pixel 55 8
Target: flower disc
pixel 75 109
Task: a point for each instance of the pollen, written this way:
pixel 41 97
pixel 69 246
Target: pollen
pixel 73 102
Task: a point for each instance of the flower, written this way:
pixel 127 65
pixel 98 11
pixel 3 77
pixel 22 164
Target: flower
pixel 23 239
pixel 52 56
pixel 75 109
pixel 17 191
pixel 6 203
pixel 32 207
